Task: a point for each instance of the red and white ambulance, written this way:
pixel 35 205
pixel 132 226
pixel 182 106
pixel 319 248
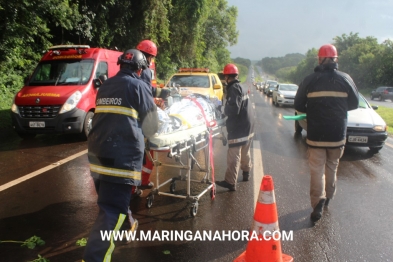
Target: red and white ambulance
pixel 60 95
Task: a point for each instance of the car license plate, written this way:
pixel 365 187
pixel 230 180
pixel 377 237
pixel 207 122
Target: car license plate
pixel 358 139
pixel 37 124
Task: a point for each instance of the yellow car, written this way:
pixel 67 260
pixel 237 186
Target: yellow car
pixel 197 80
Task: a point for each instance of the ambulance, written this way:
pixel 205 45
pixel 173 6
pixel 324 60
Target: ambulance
pixel 59 97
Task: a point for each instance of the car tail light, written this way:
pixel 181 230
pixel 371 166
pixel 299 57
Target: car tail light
pixel 385 92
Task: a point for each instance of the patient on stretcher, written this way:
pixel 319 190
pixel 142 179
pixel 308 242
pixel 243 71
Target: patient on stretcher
pixel 187 113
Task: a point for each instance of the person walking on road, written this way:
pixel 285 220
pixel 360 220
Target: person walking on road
pixel 325 96
pixel 125 113
pixel 240 128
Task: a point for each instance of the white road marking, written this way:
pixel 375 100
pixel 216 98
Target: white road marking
pixel 258 170
pixel 40 171
pixel 389 145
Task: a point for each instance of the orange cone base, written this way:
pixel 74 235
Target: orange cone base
pixel 242 258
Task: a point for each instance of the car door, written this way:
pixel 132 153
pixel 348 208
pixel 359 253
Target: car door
pixel 218 92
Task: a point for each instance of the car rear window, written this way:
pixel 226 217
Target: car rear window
pixel 190 81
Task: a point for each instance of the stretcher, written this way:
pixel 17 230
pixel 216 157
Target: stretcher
pixel 185 143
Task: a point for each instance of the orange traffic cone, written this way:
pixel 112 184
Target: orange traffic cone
pixel 266 247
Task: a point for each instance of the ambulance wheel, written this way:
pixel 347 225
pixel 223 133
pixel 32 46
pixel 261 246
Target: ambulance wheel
pixel 298 128
pixel 26 136
pixel 87 124
pixel 172 187
pixel 194 209
pixel 149 201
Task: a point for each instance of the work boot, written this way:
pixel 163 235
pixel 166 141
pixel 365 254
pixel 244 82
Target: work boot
pixel 317 213
pixel 246 176
pixel 148 186
pixel 226 185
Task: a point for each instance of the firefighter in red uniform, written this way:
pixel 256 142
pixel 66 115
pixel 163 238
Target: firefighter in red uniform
pixel 124 114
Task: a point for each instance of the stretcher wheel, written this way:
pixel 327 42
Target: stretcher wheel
pixel 212 192
pixel 194 209
pixel 172 187
pixel 149 201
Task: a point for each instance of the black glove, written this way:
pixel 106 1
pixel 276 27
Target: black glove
pixel 164 93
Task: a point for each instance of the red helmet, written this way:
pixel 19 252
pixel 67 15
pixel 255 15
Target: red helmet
pixel 231 69
pixel 148 47
pixel 327 51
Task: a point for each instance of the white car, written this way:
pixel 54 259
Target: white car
pixel 284 94
pixel 365 128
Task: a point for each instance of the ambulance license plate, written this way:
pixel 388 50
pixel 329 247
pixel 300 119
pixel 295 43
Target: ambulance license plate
pixel 358 139
pixel 36 124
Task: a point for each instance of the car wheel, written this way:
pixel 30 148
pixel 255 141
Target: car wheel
pixel 372 98
pixel 87 124
pixel 298 128
pixel 375 150
pixel 380 98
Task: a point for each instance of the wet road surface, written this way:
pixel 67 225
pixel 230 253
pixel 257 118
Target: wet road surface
pixel 59 204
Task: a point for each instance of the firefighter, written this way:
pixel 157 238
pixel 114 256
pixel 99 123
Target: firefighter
pixel 325 96
pixel 125 113
pixel 240 127
pixel 149 49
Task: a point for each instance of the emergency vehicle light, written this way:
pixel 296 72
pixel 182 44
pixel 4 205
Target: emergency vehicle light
pixel 59 47
pixel 204 70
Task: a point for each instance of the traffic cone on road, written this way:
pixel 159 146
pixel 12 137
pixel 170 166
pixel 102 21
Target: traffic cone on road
pixel 265 245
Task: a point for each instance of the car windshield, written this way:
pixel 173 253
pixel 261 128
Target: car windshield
pixel 362 102
pixel 62 72
pixel 288 87
pixel 190 81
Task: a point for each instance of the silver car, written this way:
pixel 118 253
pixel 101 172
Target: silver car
pixel 365 128
pixel 284 94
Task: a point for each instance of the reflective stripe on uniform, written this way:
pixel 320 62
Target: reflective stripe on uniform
pixel 117 110
pixel 108 254
pixel 242 139
pixel 326 143
pixel 116 172
pixel 146 170
pixel 327 93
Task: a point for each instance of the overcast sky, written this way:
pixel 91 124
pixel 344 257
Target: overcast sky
pixel 278 27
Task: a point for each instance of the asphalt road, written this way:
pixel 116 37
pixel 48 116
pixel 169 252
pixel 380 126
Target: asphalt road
pixel 58 202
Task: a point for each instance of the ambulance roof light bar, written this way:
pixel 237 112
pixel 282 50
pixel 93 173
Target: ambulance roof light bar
pixel 80 49
pixel 59 47
pixel 203 70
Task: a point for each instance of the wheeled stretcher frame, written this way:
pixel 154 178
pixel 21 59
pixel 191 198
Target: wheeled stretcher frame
pixel 188 148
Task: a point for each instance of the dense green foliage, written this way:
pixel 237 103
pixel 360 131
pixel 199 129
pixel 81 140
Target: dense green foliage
pixel 242 61
pixel 271 64
pixel 188 33
pixel 364 59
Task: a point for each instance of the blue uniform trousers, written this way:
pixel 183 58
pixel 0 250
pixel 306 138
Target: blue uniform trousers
pixel 113 202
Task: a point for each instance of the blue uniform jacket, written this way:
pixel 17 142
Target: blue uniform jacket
pixel 125 113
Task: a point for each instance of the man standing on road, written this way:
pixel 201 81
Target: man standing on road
pixel 240 127
pixel 149 49
pixel 325 96
pixel 125 113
